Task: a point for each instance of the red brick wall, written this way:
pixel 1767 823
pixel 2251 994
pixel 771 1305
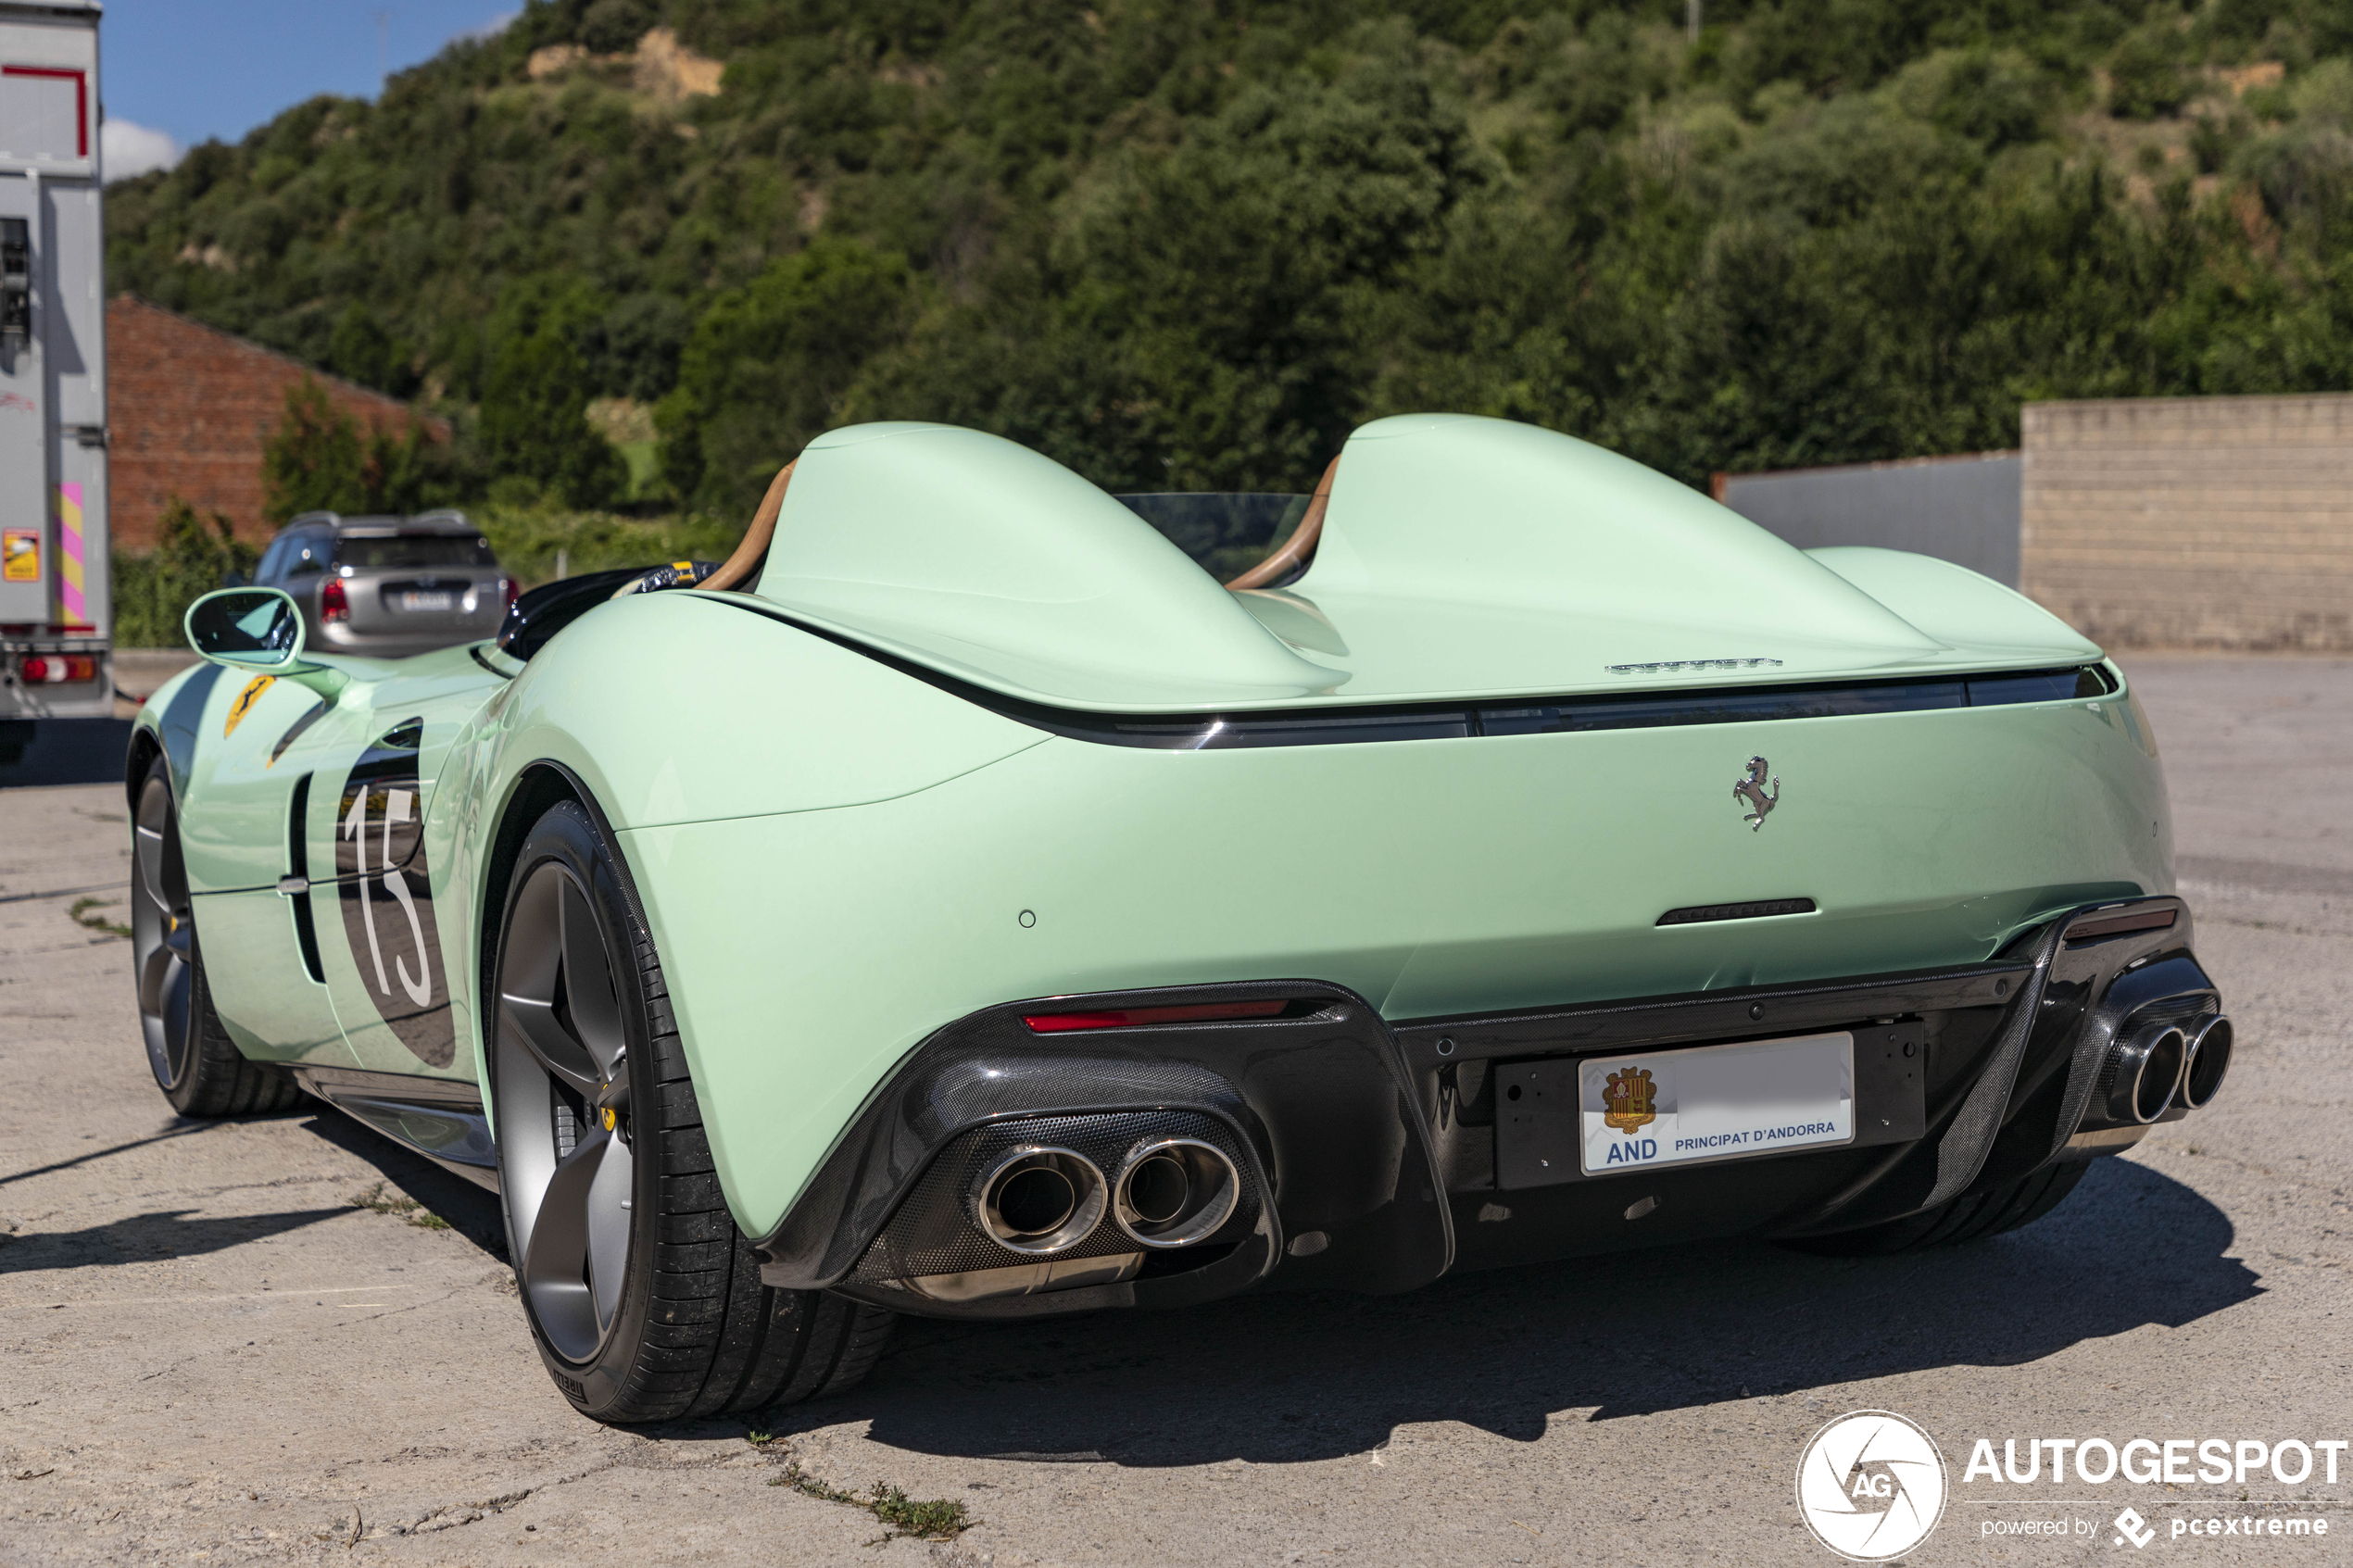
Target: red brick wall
pixel 189 409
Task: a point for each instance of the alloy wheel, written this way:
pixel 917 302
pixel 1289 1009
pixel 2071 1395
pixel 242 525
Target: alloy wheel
pixel 162 935
pixel 567 1171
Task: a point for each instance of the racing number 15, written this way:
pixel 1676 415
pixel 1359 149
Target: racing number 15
pixel 355 827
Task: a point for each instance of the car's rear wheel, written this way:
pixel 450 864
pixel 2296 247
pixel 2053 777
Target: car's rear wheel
pixel 1961 1219
pixel 196 1065
pixel 644 1299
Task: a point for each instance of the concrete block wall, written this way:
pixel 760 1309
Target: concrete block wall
pixel 2193 522
pixel 190 409
pixel 1963 510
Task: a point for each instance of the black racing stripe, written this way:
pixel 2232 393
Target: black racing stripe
pixel 318 711
pixel 1336 726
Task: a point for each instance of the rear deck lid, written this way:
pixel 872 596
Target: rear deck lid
pixel 1462 558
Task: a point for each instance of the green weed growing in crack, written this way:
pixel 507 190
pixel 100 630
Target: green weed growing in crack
pixel 938 1518
pixel 84 913
pixel 407 1209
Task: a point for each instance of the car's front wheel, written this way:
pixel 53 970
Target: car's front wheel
pixel 644 1299
pixel 196 1065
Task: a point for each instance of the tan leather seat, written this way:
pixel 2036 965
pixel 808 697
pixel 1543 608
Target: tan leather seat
pixel 1293 552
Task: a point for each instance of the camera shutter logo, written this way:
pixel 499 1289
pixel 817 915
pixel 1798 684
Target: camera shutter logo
pixel 1870 1485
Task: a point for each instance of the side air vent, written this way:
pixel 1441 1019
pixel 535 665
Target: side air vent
pixel 299 870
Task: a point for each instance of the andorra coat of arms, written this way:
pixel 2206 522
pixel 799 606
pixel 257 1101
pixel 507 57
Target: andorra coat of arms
pixel 1630 1096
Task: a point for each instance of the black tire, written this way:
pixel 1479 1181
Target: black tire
pixel 1959 1220
pixel 195 1064
pixel 652 1309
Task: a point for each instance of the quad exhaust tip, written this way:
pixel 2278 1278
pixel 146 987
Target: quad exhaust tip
pixel 2144 1072
pixel 1172 1192
pixel 2208 1060
pixel 1040 1200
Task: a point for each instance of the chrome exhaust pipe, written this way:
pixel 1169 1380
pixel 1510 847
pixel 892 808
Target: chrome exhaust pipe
pixel 1172 1192
pixel 1038 1200
pixel 2143 1074
pixel 2209 1060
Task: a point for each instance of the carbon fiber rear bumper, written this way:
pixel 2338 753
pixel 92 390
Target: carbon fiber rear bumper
pixel 1371 1148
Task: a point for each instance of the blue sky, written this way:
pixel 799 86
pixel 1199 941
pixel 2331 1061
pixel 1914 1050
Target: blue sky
pixel 192 71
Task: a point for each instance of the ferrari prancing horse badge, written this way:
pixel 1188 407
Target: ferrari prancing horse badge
pixel 1750 788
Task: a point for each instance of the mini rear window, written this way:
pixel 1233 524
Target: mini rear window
pixel 404 550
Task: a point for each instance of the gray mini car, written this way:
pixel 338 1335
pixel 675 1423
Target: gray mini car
pixel 385 588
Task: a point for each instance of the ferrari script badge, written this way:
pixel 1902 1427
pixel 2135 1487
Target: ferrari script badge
pixel 1751 789
pixel 1630 1096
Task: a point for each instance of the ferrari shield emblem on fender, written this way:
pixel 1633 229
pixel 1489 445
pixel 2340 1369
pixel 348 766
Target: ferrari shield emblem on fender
pixel 1750 788
pixel 1630 1097
pixel 245 699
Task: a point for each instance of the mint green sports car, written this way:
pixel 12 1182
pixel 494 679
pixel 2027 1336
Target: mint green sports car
pixel 959 902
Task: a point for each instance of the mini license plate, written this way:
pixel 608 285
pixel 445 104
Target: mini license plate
pixel 428 601
pixel 1713 1102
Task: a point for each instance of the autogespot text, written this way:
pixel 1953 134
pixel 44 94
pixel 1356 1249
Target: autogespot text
pixel 2151 1460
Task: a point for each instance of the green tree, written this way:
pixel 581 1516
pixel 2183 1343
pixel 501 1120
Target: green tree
pixel 193 555
pixel 769 365
pixel 534 421
pixel 2145 74
pixel 320 459
pixel 316 459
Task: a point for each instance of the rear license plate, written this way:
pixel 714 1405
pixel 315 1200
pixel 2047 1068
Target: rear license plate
pixel 1669 1108
pixel 1617 1113
pixel 444 602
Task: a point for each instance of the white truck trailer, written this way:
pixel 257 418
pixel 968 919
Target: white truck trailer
pixel 55 610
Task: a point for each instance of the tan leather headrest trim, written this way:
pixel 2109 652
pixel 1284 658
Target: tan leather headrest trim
pixel 1301 542
pixel 757 538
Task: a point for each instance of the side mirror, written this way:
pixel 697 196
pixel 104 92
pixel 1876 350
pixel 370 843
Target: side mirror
pixel 258 629
pixel 247 628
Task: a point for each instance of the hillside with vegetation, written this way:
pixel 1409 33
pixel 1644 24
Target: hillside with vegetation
pixel 642 250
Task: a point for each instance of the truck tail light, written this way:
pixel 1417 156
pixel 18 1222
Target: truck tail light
pixel 48 669
pixel 333 603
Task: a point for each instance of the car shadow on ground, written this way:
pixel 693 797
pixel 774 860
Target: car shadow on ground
pixel 471 1211
pixel 1285 1377
pixel 1278 1378
pixel 146 1239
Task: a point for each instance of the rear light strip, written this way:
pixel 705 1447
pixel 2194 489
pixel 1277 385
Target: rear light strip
pixel 2096 926
pixel 1126 1018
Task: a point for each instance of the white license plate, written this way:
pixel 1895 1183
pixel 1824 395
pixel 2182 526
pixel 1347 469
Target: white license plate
pixel 429 601
pixel 1715 1102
